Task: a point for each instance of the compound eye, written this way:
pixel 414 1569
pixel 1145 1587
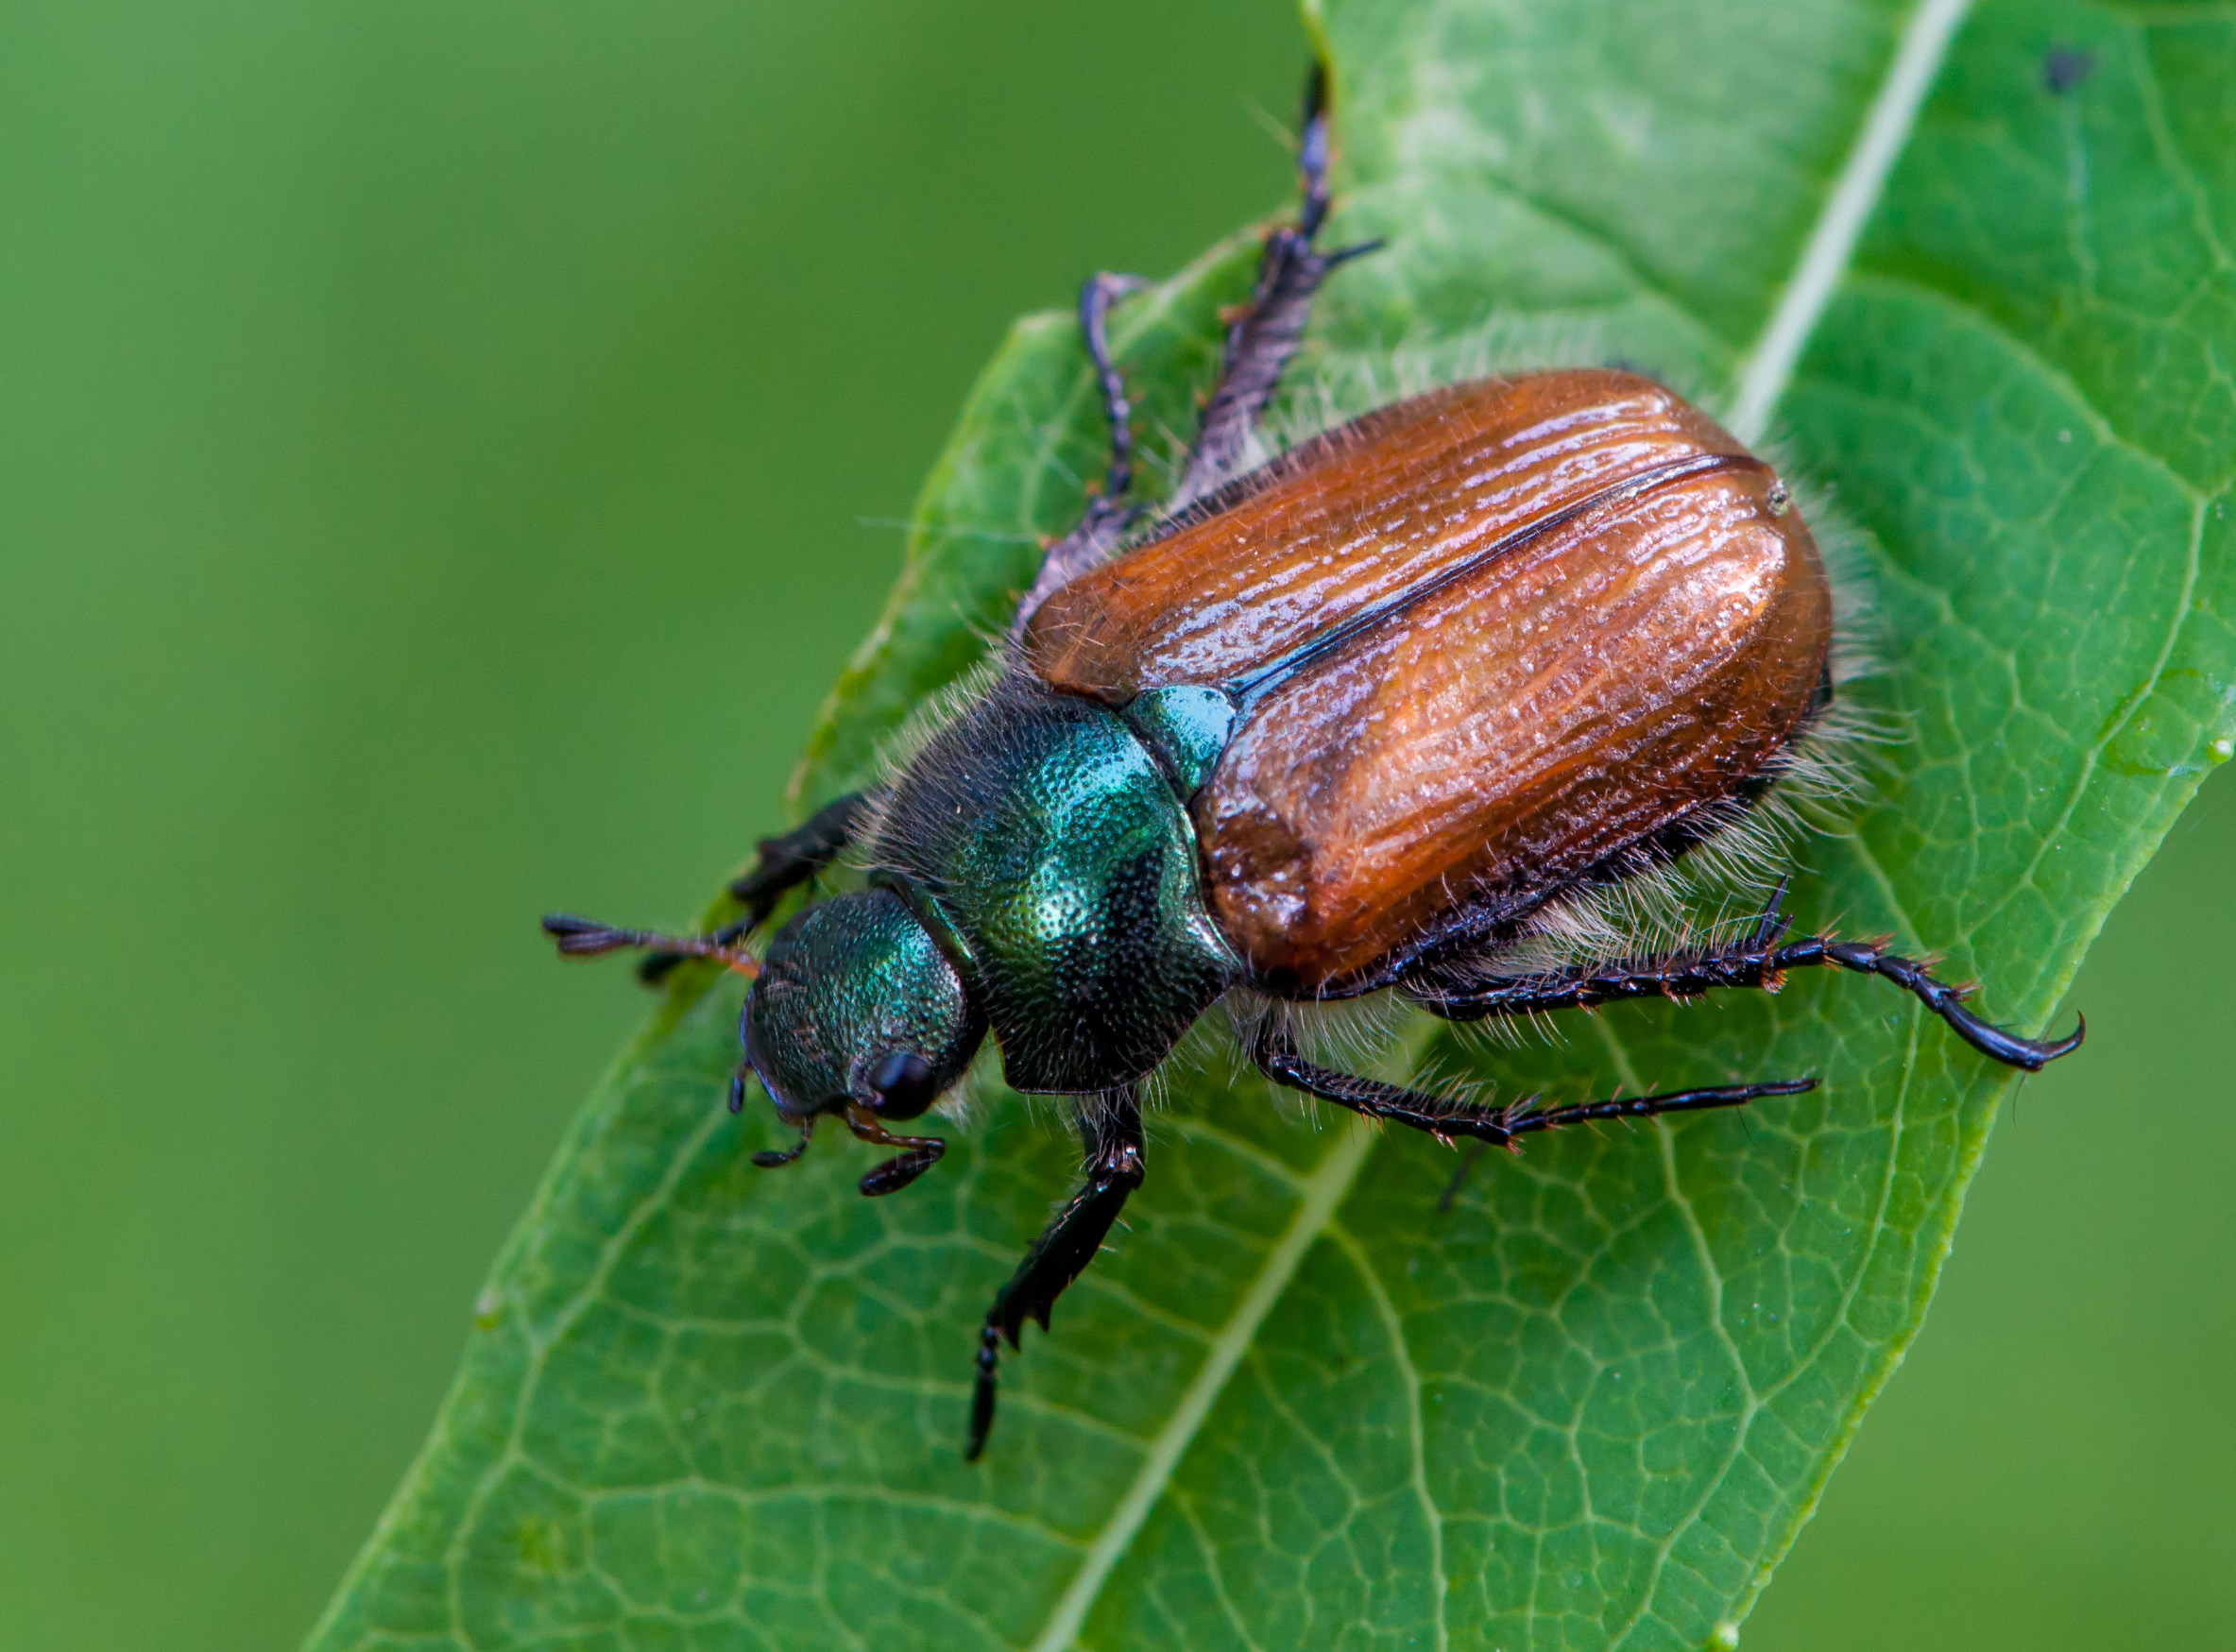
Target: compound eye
pixel 903 1084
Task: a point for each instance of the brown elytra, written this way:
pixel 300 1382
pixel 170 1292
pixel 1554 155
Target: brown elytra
pixel 1485 640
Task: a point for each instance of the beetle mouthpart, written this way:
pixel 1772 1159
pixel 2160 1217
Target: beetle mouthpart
pixel 919 1153
pixel 897 1173
pixel 771 1159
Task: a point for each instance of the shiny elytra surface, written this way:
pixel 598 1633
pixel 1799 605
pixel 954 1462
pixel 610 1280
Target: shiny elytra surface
pixel 1525 653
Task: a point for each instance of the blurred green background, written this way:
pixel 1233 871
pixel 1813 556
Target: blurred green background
pixel 446 451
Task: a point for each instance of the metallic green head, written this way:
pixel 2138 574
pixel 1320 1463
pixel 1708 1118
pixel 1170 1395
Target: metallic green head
pixel 856 1004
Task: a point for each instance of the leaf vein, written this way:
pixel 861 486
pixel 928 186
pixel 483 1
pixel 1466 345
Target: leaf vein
pixel 1711 1279
pixel 541 1345
pixel 2100 424
pixel 1417 1431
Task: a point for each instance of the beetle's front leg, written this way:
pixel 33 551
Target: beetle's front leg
pixel 1112 1134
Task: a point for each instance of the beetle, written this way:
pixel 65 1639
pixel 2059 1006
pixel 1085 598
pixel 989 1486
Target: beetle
pixel 1367 718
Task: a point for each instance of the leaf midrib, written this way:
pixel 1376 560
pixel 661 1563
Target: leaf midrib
pixel 1831 247
pixel 1324 1191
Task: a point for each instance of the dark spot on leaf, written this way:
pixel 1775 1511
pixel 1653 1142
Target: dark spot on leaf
pixel 2065 67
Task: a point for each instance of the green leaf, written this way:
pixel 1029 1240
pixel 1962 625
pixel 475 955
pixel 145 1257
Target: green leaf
pixel 1590 1405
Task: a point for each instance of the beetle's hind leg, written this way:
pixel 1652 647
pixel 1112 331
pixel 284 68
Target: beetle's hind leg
pixel 1112 1137
pixel 1445 1117
pixel 1107 517
pixel 1758 958
pixel 1259 342
pixel 783 863
pixel 1262 339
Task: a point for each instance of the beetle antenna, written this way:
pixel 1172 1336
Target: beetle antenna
pixel 587 938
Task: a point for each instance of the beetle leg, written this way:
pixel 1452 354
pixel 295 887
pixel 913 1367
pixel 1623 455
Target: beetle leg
pixel 783 865
pixel 1113 1170
pixel 1266 334
pixel 1758 958
pixel 787 862
pixel 1262 337
pixel 1107 519
pixel 1444 1117
pixel 1871 958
